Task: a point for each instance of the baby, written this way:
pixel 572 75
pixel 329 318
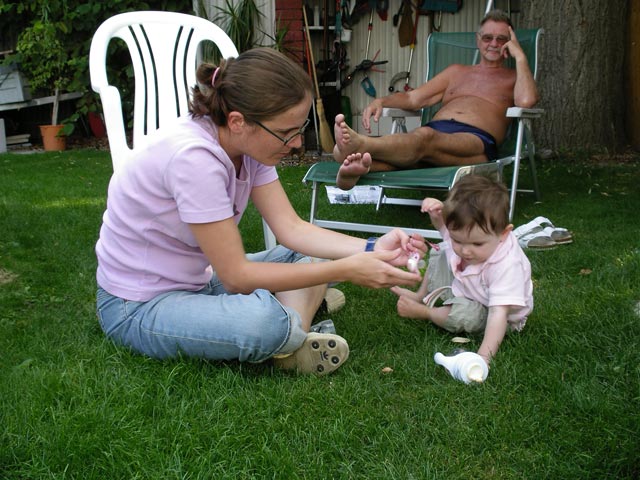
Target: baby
pixel 481 272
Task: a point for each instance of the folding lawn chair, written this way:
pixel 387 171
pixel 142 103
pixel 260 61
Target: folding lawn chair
pixel 443 49
pixel 165 49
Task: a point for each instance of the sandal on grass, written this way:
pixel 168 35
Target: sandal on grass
pixel 543 224
pixel 320 354
pixel 558 235
pixel 537 241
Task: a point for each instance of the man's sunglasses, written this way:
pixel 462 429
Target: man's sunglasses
pixel 501 39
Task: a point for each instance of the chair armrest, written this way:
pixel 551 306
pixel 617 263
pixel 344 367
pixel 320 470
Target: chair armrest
pixel 519 112
pixel 398 112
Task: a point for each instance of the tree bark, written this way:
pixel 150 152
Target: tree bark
pixel 580 74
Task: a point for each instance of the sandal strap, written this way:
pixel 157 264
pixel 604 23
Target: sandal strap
pixel 431 299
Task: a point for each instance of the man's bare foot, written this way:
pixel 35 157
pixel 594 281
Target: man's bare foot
pixel 347 140
pixel 405 292
pixel 353 167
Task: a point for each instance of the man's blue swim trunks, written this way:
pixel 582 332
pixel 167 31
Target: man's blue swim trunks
pixel 453 126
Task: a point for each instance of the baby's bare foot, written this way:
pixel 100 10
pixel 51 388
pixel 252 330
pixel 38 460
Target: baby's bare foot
pixel 409 308
pixel 353 167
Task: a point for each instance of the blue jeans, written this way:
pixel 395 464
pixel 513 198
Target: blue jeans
pixel 209 323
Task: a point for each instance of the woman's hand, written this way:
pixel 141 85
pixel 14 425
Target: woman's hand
pixel 376 269
pixel 405 244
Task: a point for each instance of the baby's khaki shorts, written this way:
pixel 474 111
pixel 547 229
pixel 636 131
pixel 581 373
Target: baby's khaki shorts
pixel 466 315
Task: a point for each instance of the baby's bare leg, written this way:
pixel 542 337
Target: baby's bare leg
pixel 409 308
pixel 438 315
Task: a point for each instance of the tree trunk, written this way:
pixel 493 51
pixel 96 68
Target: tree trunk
pixel 632 75
pixel 581 72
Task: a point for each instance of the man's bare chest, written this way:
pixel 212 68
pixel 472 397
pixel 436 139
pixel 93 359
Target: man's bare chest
pixel 495 87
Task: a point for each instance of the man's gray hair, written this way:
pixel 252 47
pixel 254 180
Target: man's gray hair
pixel 497 16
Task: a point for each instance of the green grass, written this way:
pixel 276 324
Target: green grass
pixel 562 399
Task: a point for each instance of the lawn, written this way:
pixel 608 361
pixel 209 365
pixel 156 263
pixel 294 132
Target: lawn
pixel 562 399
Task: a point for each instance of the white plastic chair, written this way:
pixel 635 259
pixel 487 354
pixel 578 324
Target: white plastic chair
pixel 165 52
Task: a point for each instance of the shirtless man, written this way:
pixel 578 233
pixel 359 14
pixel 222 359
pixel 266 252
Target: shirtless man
pixel 468 127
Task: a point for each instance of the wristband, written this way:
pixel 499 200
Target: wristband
pixel 371 243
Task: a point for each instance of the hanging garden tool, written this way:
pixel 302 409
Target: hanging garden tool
pixel 396 78
pixel 396 17
pixel 382 7
pixel 313 105
pixel 366 65
pixel 412 46
pixel 405 29
pixel 326 139
pixel 366 83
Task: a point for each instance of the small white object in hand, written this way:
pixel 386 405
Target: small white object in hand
pixel 415 262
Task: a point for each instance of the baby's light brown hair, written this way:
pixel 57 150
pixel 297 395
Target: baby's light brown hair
pixel 477 200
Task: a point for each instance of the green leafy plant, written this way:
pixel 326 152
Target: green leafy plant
pixel 42 55
pixel 280 38
pixel 69 25
pixel 241 22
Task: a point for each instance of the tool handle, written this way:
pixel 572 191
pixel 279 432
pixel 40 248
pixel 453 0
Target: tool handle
pixel 313 62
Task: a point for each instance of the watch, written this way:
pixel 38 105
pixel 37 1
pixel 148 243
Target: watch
pixel 371 243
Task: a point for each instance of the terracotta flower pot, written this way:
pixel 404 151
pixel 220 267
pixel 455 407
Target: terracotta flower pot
pixel 51 141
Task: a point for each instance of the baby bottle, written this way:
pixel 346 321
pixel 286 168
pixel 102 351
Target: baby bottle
pixel 466 366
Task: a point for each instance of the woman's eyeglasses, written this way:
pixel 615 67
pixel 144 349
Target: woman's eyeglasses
pixel 288 139
pixel 501 39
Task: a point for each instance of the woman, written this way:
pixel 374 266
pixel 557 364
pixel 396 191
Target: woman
pixel 173 277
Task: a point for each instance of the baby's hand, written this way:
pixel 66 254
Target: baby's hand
pixel 432 206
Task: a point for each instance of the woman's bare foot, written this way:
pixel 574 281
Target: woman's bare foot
pixel 347 140
pixel 353 167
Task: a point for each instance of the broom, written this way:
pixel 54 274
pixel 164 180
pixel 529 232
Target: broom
pixel 326 140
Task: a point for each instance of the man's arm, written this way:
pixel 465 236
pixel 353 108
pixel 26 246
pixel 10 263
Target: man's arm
pixel 525 92
pixel 425 95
